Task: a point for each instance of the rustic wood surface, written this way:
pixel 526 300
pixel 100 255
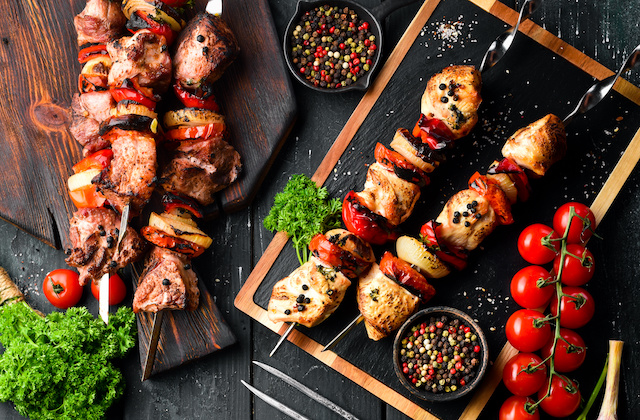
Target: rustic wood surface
pixel 210 387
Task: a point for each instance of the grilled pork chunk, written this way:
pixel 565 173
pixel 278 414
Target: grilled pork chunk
pixel 538 145
pixel 453 96
pixel 206 47
pixel 308 295
pixel 143 57
pixel 466 226
pixel 99 22
pixel 199 169
pixel 168 282
pixel 387 195
pixel 130 177
pixel 94 234
pixel 89 110
pixel 383 303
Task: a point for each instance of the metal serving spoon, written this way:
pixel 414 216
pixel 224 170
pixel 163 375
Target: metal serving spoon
pixel 499 47
pixel 602 88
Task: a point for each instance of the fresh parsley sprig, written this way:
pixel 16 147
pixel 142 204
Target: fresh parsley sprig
pixel 302 210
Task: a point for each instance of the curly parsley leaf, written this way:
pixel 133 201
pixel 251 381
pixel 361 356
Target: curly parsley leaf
pixel 59 367
pixel 302 210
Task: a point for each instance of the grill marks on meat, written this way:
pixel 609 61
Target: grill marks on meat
pixel 206 47
pixel 99 22
pixel 166 283
pixel 89 110
pixel 199 169
pixel 130 177
pixel 94 234
pixel 143 57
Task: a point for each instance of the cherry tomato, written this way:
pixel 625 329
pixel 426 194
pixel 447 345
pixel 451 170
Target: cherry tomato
pixel 575 271
pixel 580 232
pixel 404 274
pixel 563 399
pixel 575 311
pixel 525 330
pixel 531 247
pixel 514 408
pixel 569 354
pixel 524 374
pixel 525 287
pixel 61 288
pixel 117 290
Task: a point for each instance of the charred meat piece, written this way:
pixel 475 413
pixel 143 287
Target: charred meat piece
pixel 206 47
pixel 130 177
pixel 309 295
pixel 539 145
pixel 94 234
pixel 453 96
pixel 168 282
pixel 99 22
pixel 89 110
pixel 143 57
pixel 387 195
pixel 199 169
pixel 383 303
pixel 466 220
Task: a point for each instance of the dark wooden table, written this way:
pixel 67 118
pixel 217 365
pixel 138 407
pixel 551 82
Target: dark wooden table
pixel 210 388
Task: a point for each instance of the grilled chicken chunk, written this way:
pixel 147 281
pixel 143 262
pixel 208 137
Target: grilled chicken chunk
pixel 539 145
pixel 168 282
pixel 387 195
pixel 416 152
pixel 199 169
pixel 94 234
pixel 383 303
pixel 130 177
pixel 464 227
pixel 453 96
pixel 89 110
pixel 308 295
pixel 99 22
pixel 206 47
pixel 143 57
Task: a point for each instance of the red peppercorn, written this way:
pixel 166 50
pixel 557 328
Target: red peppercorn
pixel 405 370
pixel 342 45
pixel 373 47
pixel 367 42
pixel 356 61
pixel 452 371
pixel 352 25
pixel 357 69
pixel 439 324
pixel 316 68
pixel 414 380
pixel 369 61
pixel 476 349
pixel 439 359
pixel 422 331
pixel 353 55
pixel 332 29
pixel 467 329
pixel 459 365
pixel 432 328
pixel 416 333
pixel 365 25
pixel 462 382
pixel 302 70
pixel 423 325
pixel 318 48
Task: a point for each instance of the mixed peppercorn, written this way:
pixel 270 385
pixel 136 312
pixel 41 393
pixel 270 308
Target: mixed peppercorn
pixel 331 47
pixel 441 355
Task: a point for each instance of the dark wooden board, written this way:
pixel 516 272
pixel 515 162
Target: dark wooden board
pixel 38 76
pixel 531 81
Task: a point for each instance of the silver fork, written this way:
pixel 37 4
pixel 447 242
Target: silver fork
pixel 602 88
pixel 499 47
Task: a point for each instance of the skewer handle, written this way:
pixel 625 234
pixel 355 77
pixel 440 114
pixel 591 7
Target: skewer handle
pixel 153 345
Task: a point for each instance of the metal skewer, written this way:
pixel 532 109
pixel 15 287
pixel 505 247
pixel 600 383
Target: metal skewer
pixel 499 47
pixel 282 338
pixel 343 333
pixel 153 344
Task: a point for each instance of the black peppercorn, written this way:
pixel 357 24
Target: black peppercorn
pixel 287 311
pixel 200 38
pixel 166 282
pixel 305 287
pixel 300 298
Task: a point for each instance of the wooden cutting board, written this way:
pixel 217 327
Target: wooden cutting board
pixel 38 77
pixel 541 74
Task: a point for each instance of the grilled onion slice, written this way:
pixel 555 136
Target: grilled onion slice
pixel 131 107
pixel 416 253
pixel 180 230
pixel 191 117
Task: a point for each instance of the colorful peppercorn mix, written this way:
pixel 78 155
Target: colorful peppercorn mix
pixel 441 355
pixel 332 48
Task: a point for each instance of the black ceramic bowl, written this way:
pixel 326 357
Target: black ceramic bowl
pixel 374 17
pixel 424 316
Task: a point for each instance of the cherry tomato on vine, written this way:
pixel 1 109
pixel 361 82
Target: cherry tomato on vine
pixel 563 399
pixel 575 311
pixel 575 271
pixel 526 331
pixel 117 290
pixel 514 409
pixel 61 288
pixel 569 354
pixel 531 247
pixel 525 289
pixel 524 374
pixel 579 232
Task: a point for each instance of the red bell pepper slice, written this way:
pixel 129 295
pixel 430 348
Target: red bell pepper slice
pixel 98 160
pixel 130 94
pixel 191 100
pixel 452 257
pixel 405 275
pixel 337 257
pixel 162 29
pixel 517 174
pixel 164 240
pixel 368 225
pixel 172 201
pixel 497 198
pixel 433 132
pixel 397 163
pixel 87 53
pixel 199 132
pixel 87 197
